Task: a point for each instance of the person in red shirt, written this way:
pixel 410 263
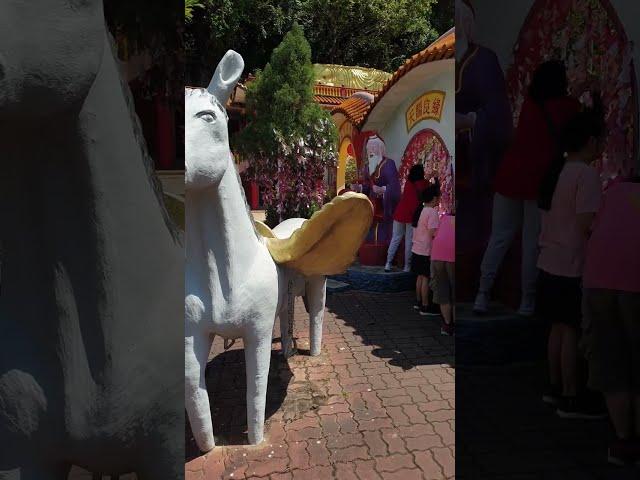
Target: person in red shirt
pixel 403 216
pixel 545 112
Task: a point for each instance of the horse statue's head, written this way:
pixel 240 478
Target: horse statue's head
pixel 206 137
pixel 50 54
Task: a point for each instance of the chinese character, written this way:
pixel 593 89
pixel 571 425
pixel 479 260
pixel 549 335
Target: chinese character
pixel 436 106
pixel 419 108
pixel 426 106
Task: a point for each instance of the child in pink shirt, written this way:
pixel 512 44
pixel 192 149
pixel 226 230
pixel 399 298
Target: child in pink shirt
pixel 443 257
pixel 575 198
pixel 425 229
pixel 611 281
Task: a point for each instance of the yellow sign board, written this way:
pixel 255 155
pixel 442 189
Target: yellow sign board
pixel 427 106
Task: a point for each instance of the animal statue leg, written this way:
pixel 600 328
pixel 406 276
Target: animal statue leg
pixel 316 294
pixel 196 354
pixel 257 354
pixel 286 325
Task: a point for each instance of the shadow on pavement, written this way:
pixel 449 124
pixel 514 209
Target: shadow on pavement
pixel 226 384
pixel 505 431
pixel 397 332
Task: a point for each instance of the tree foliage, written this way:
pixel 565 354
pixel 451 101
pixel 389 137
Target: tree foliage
pixel 373 33
pixel 189 6
pixel 290 140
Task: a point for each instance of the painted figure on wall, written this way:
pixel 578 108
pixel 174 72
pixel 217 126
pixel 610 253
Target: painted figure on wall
pixel 483 129
pixel 382 184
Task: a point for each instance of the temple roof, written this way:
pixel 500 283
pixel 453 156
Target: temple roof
pixel 354 109
pixel 358 78
pixel 444 48
pixel 330 96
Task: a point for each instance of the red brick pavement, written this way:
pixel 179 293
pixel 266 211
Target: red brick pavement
pixel 378 403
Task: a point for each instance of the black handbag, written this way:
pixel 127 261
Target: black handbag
pixel 550 178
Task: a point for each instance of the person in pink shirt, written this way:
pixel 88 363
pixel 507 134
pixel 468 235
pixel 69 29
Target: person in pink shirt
pixel 611 281
pixel 570 197
pixel 425 223
pixel 443 257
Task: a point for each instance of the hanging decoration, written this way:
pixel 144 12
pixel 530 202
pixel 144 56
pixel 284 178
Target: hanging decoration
pixel 589 38
pixel 426 147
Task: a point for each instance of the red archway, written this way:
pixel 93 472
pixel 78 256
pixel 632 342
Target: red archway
pixel 428 148
pixel 588 36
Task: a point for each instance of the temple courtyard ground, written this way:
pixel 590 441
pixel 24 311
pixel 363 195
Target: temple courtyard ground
pixel 378 403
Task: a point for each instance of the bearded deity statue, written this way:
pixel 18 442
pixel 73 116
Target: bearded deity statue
pixel 382 185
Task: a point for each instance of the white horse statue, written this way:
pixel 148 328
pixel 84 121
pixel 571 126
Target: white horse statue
pixel 92 269
pixel 237 280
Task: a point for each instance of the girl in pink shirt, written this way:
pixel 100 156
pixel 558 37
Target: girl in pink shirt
pixel 611 281
pixel 570 197
pixel 443 257
pixel 425 226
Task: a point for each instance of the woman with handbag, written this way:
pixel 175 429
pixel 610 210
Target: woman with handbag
pixel 545 112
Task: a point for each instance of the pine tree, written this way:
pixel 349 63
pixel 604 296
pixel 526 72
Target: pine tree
pixel 290 140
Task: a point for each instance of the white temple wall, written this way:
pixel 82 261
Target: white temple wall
pixel 395 132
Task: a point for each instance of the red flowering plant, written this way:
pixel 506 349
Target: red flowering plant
pixel 290 141
pixel 589 38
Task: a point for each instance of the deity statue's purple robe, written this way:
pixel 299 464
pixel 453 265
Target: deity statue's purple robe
pixel 385 176
pixel 481 89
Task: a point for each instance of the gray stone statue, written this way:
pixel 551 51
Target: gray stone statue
pixel 91 351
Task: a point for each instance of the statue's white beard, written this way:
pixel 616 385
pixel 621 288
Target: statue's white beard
pixel 373 163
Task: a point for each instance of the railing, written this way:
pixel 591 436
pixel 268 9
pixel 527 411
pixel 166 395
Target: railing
pixel 334 91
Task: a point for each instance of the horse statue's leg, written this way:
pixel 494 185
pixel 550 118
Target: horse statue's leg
pixel 257 354
pixel 316 294
pixel 197 346
pixel 286 318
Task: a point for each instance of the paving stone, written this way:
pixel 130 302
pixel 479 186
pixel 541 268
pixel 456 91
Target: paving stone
pixel 373 405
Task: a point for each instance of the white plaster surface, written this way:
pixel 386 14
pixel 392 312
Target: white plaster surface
pixel 391 124
pixel 90 352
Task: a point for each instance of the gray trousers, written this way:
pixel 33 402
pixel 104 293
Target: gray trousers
pixel 509 215
pixel 401 230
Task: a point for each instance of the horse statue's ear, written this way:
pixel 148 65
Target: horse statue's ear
pixel 226 76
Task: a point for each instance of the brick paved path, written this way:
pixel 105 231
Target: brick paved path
pixel 377 404
pixel 506 432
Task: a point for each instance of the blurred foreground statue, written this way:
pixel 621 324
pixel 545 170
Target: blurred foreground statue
pixel 92 268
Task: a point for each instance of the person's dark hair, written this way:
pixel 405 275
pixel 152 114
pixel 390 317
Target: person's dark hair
pixel 549 81
pixel 579 130
pixel 428 194
pixel 416 173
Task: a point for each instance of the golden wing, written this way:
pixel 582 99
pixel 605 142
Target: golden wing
pixel 327 243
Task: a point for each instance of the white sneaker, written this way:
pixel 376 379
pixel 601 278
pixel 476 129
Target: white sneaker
pixel 481 305
pixel 407 268
pixel 388 267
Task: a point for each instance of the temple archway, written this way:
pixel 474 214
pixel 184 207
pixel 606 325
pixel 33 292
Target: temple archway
pixel 345 153
pixel 589 37
pixel 428 148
